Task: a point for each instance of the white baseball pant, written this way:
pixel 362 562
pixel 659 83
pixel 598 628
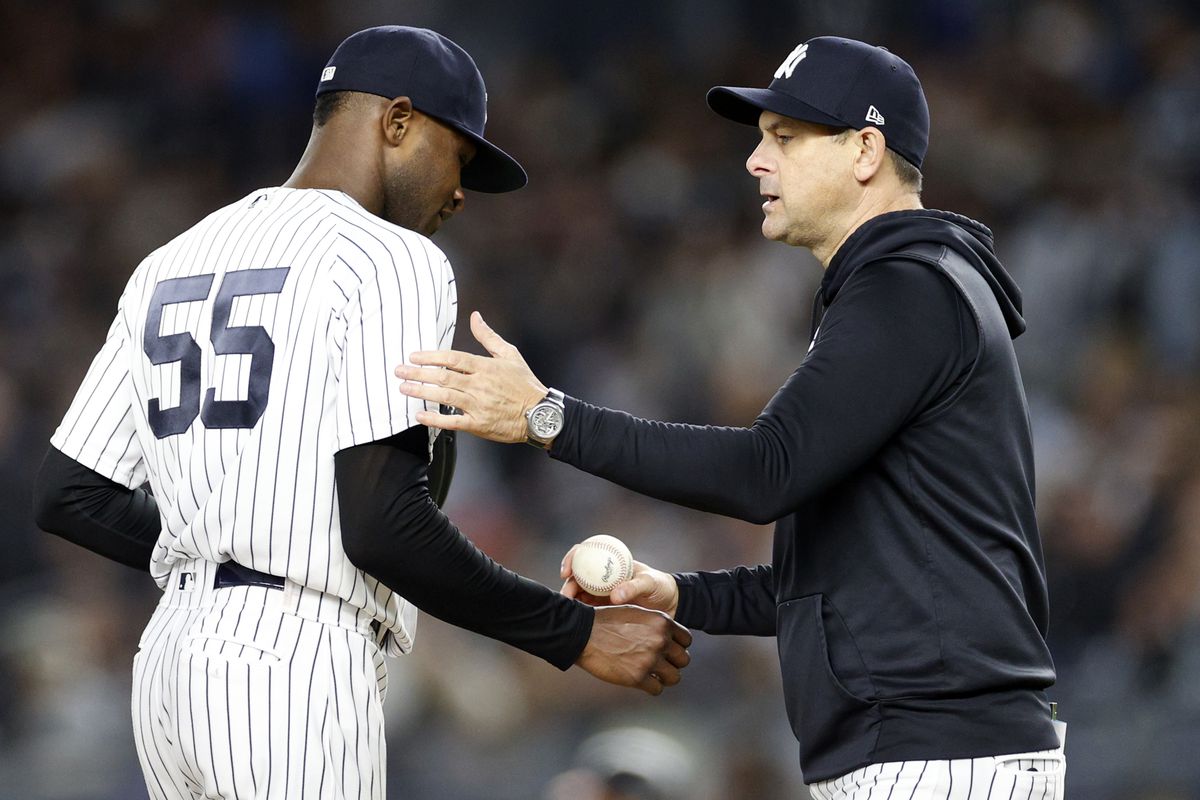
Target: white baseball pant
pixel 241 692
pixel 1021 776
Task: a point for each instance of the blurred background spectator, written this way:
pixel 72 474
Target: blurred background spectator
pixel 631 272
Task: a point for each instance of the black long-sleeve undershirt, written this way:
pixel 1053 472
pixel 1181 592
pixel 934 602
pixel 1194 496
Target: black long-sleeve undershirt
pixel 123 524
pixel 86 508
pixel 393 531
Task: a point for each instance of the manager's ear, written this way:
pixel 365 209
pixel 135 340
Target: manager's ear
pixel 871 152
pixel 397 120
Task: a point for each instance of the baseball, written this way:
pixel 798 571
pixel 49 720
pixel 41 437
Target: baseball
pixel 601 562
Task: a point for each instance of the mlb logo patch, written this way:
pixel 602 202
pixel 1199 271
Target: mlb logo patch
pixel 327 73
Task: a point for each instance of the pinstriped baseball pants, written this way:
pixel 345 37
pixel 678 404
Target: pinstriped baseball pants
pixel 1020 776
pixel 233 697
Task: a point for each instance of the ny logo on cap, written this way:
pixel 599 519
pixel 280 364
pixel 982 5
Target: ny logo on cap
pixel 789 64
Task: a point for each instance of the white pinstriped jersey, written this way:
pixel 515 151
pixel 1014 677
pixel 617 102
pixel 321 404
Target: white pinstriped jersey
pixel 244 354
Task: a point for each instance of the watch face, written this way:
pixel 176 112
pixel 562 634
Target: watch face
pixel 545 421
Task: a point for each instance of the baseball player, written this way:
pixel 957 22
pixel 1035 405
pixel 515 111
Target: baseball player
pixel 246 378
pixel 907 590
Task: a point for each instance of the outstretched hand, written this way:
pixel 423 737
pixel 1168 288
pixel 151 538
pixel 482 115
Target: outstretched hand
pixel 493 394
pixel 635 647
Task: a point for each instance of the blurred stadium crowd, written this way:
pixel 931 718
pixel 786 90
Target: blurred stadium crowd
pixel 631 273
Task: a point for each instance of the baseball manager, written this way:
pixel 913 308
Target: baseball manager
pixel 907 588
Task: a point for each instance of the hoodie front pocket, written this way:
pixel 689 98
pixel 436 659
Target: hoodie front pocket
pixel 832 723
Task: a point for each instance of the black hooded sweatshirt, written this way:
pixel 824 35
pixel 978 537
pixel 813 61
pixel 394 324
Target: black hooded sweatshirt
pixel 907 589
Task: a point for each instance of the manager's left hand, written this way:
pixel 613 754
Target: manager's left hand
pixel 493 394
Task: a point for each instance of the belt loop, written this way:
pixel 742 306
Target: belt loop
pixel 291 594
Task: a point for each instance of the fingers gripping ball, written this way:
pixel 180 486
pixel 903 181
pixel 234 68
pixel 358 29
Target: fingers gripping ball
pixel 600 563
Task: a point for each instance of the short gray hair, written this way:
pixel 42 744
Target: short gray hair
pixel 910 177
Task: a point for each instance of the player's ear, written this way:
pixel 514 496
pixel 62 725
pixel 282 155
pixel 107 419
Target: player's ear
pixel 397 120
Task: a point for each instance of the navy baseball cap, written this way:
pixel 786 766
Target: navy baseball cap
pixel 442 81
pixel 842 83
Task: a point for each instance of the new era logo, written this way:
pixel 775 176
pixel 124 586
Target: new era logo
pixel 873 116
pixel 327 73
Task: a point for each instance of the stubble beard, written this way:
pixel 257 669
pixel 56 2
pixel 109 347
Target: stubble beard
pixel 788 231
pixel 402 206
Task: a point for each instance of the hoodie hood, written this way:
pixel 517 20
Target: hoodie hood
pixel 890 235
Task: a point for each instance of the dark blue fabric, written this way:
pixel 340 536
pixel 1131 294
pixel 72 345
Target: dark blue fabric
pixel 232 573
pixel 843 83
pixel 442 81
pixel 907 589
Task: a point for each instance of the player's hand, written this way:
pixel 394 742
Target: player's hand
pixel 648 588
pixel 636 647
pixel 493 394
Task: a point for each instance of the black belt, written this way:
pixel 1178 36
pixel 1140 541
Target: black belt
pixel 232 573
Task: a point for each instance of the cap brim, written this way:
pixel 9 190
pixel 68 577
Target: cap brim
pixel 744 104
pixel 491 170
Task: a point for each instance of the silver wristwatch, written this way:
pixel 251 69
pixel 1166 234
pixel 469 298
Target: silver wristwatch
pixel 545 420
